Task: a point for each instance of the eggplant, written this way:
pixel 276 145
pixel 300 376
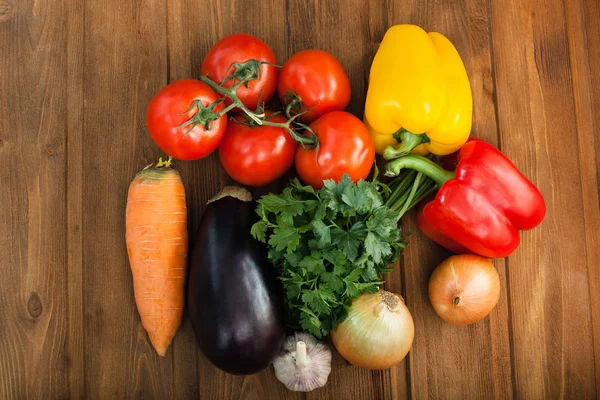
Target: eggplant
pixel 234 297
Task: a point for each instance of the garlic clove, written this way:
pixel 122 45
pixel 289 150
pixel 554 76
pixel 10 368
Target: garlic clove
pixel 304 363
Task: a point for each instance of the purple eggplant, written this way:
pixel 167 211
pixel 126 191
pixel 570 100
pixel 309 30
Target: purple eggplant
pixel 234 298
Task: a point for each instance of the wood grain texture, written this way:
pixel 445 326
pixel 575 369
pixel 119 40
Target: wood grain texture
pixel 33 298
pixel 584 46
pixel 124 65
pixel 206 177
pixel 442 353
pixel 75 80
pixel 75 348
pixel 549 297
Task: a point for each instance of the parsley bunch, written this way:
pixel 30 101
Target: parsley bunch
pixel 329 246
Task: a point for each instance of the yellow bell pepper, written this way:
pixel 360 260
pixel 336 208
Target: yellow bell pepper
pixel 419 92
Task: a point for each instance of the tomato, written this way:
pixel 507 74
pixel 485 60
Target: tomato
pixel 241 47
pixel 171 108
pixel 257 155
pixel 345 146
pixel 318 79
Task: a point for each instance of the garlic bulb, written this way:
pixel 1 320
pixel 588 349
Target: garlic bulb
pixel 304 363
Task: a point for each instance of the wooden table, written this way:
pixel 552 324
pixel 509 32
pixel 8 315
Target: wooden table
pixel 75 79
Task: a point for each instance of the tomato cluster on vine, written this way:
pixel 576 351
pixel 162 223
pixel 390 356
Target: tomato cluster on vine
pixel 225 109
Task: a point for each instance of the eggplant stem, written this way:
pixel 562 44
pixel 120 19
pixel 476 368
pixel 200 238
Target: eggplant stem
pixel 236 192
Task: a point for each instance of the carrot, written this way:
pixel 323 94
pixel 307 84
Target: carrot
pixel 157 245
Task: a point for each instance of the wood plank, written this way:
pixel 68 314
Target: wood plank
pixel 179 66
pixel 485 126
pixel 584 49
pixel 396 380
pixel 125 64
pixel 33 360
pixel 352 38
pixel 437 366
pixel 203 178
pixel 549 287
pixel 75 289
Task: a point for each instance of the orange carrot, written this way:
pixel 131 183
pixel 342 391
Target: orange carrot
pixel 157 245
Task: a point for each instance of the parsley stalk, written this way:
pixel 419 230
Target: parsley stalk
pixel 408 189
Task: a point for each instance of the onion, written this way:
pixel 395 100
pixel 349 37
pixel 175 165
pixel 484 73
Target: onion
pixel 464 289
pixel 377 333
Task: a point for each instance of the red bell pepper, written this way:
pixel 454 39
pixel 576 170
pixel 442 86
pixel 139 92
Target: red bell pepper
pixel 481 207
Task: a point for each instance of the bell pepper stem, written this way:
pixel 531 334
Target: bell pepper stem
pixel 420 164
pixel 408 141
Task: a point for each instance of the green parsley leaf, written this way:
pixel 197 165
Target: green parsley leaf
pixel 313 264
pixel 285 239
pixel 285 203
pixel 316 300
pixel 293 258
pixel 376 247
pixel 332 194
pixel 311 323
pixel 383 222
pixel 322 233
pixel 355 289
pixel 259 231
pixel 336 258
pixel 371 192
pixel 297 185
pixel 349 241
pixel 333 281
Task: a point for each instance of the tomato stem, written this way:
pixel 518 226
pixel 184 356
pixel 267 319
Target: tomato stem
pixel 294 102
pixel 244 73
pixel 204 115
pixel 226 110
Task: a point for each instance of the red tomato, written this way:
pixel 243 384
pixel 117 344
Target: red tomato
pixel 168 111
pixel 318 79
pixel 345 146
pixel 257 155
pixel 241 47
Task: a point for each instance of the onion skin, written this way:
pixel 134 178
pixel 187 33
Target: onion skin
pixel 464 289
pixel 378 332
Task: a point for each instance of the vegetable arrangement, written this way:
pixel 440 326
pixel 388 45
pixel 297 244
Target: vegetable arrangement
pixel 309 262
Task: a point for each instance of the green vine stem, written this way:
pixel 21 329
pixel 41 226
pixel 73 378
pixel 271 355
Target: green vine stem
pixel 244 72
pixel 235 100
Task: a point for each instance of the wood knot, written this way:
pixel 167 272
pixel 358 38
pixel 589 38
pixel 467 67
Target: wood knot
pixel 1 142
pixel 6 10
pixel 34 306
pixel 50 151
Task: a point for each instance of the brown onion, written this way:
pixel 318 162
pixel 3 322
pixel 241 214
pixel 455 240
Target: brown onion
pixel 464 289
pixel 378 332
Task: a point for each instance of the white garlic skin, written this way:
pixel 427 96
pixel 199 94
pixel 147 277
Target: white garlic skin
pixel 298 376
